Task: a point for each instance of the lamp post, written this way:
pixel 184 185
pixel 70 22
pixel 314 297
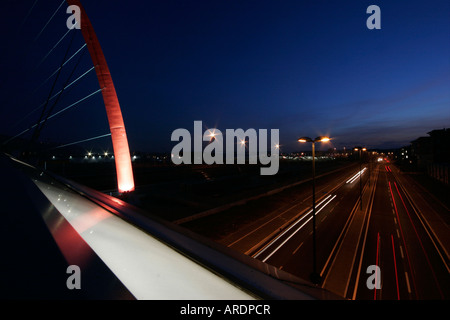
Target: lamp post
pixel 360 149
pixel 315 277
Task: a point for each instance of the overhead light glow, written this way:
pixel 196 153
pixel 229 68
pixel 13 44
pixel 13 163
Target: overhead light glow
pixel 212 133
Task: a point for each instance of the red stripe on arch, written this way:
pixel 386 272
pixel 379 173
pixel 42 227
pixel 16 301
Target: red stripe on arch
pixel 125 180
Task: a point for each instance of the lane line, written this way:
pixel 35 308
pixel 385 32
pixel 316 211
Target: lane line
pixel 407 282
pixel 284 232
pixel 395 266
pixel 320 190
pixel 298 229
pixel 269 221
pixel 376 263
pixel 421 244
pixel 366 223
pixel 403 238
pixel 295 251
pixel 426 226
pixel 345 229
pixel 356 176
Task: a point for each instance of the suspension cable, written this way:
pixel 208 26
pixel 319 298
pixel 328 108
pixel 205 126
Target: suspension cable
pixel 67 61
pixel 54 115
pixel 59 94
pixel 51 50
pixel 37 130
pixel 26 18
pixel 81 141
pixel 43 103
pixel 51 18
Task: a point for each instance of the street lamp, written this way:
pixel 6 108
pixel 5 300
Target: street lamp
pixel 212 135
pixel 315 277
pixel 360 149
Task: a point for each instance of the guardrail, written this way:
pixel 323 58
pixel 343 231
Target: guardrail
pixel 153 258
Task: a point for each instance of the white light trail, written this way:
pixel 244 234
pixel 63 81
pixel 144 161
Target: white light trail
pixel 328 199
pixel 356 176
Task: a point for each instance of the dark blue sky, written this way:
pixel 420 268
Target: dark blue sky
pixel 304 67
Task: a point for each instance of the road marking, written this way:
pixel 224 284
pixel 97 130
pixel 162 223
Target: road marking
pixel 421 244
pixel 398 233
pixel 403 238
pixel 344 231
pixel 407 282
pixel 319 191
pixel 367 213
pixel 356 176
pixel 376 263
pixel 297 248
pixel 395 266
pixel 280 235
pixel 298 229
pixel 401 252
pixel 424 222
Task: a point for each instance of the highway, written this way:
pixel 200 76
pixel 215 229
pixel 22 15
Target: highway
pixel 412 265
pixel 385 230
pixel 292 249
pixel 283 209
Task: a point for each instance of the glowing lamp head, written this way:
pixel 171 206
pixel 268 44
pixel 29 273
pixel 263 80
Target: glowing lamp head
pixel 304 139
pixel 318 139
pixel 212 134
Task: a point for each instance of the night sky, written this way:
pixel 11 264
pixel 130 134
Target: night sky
pixel 307 68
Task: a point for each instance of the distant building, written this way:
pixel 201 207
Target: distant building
pixel 421 152
pixel 431 153
pixel 405 156
pixel 440 145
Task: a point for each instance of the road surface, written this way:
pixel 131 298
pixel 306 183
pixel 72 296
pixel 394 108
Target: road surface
pixel 387 230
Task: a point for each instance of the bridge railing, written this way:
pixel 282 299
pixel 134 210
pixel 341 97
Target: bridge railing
pixel 178 256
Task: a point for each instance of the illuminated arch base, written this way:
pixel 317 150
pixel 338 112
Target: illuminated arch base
pixel 125 180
